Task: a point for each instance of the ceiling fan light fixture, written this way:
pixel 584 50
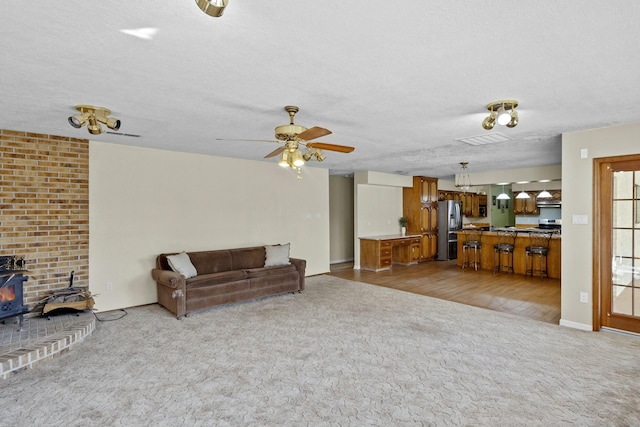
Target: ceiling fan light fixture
pixel 284 159
pixel 297 159
pixel 503 112
pixel 213 8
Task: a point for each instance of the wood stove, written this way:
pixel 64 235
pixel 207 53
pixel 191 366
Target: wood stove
pixel 12 269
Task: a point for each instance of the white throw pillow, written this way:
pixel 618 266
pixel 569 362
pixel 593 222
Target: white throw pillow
pixel 181 263
pixel 277 255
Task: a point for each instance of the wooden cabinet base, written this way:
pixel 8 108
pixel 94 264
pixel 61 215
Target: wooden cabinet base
pixel 490 238
pixel 378 253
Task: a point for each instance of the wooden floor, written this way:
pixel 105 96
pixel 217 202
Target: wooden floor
pixel 517 294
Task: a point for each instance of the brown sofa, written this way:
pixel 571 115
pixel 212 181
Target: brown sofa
pixel 226 276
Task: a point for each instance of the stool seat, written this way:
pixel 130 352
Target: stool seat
pixel 505 246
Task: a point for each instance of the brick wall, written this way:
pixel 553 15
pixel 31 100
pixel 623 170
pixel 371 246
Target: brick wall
pixel 44 208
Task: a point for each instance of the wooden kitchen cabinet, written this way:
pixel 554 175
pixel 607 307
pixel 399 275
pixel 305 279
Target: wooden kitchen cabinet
pixel 429 187
pixel 526 206
pixel 379 253
pixel 429 246
pixel 420 207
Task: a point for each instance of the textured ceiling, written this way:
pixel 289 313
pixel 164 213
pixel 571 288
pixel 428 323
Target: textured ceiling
pixel 400 81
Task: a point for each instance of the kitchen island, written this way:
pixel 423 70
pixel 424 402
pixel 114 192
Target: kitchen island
pixel 490 238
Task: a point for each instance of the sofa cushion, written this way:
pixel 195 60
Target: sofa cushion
pixel 213 279
pixel 181 263
pixel 212 261
pixel 276 255
pixel 245 258
pixel 270 271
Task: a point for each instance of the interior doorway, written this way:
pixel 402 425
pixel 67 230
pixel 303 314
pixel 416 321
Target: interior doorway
pixel 616 274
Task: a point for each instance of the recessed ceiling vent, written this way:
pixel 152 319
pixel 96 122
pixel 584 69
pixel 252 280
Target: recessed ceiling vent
pixel 492 138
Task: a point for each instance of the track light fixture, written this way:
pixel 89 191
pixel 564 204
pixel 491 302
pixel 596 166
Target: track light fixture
pixel 95 116
pixel 504 112
pixel 213 8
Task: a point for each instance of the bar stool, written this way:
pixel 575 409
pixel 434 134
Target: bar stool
pixel 505 246
pixel 538 248
pixel 471 244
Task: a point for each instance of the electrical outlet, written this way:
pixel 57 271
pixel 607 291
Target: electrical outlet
pixel 584 297
pixel 109 286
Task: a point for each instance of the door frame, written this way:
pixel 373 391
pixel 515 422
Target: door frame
pixel 598 225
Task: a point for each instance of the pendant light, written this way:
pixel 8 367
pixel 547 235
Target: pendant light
pixel 463 180
pixel 523 194
pixel 544 194
pixel 503 195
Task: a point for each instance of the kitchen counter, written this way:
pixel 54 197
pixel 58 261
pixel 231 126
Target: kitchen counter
pixel 490 238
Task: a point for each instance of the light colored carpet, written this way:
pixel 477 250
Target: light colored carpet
pixel 339 354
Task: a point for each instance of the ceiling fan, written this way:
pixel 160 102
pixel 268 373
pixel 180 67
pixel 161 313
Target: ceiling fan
pixel 293 136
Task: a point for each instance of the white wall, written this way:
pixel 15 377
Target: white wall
pixel 377 206
pixel 341 219
pixel 577 199
pixel 143 202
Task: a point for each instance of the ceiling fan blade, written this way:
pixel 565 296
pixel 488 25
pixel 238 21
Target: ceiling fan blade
pixel 275 152
pixel 313 133
pixel 330 147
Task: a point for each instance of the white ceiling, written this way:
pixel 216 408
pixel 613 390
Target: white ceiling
pixel 400 81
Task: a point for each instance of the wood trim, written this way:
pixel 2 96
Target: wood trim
pixel 601 240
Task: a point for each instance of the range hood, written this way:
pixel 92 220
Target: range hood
pixel 549 203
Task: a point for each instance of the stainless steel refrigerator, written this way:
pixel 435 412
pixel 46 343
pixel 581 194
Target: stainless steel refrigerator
pixel 449 221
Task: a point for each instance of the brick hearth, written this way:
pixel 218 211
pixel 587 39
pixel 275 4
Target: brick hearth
pixel 40 339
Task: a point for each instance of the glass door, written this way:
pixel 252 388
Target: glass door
pixel 620 244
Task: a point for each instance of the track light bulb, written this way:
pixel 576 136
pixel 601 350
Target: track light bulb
pixel 93 126
pixel 514 119
pixel 78 120
pixel 490 121
pixel 503 116
pixel 213 8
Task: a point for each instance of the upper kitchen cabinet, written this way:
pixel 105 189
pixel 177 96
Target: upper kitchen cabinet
pixel 526 206
pixel 473 205
pixel 429 190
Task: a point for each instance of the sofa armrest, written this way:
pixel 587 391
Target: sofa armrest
pixel 169 278
pixel 301 266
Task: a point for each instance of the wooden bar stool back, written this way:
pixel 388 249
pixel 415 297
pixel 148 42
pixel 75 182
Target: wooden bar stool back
pixel 538 249
pixel 504 247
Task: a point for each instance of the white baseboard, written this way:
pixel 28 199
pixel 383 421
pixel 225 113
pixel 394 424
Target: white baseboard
pixel 338 261
pixel 575 325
